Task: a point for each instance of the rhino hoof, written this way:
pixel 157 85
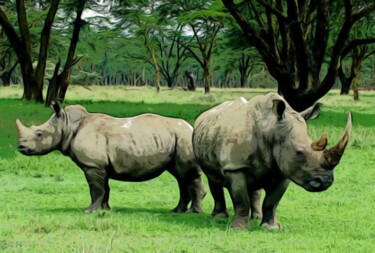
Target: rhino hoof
pixel 220 215
pixel 195 210
pixel 179 210
pixel 274 226
pixel 239 224
pixel 256 216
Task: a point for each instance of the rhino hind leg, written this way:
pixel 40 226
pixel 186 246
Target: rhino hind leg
pixel 255 205
pixel 188 176
pixel 99 189
pixel 105 204
pixel 197 193
pixel 220 208
pixel 240 197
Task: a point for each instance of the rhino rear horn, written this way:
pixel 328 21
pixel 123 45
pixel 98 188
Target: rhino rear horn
pixel 56 107
pixel 333 155
pixel 320 144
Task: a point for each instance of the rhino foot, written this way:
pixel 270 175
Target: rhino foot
pixel 220 215
pixel 256 216
pixel 195 210
pixel 273 226
pixel 93 209
pixel 239 223
pixel 179 210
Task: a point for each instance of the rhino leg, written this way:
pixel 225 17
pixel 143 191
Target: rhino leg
pixel 99 189
pixel 217 191
pixel 105 204
pixel 240 197
pixel 184 197
pixel 190 185
pixel 255 206
pixel 271 200
pixel 197 193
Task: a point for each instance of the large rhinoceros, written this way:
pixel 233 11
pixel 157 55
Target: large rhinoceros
pixel 258 144
pixel 127 149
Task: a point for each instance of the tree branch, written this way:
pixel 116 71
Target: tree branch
pixel 354 43
pixel 299 44
pixel 275 12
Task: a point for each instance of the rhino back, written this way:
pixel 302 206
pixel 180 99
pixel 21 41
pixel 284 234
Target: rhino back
pixel 234 134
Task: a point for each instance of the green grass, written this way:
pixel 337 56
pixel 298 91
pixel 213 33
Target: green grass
pixel 43 198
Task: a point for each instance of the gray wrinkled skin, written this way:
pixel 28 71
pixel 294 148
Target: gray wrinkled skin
pixel 258 144
pixel 126 149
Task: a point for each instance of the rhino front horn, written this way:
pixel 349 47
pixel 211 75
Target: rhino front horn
pixel 333 155
pixel 20 126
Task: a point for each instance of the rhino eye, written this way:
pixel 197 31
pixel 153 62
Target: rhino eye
pixel 39 133
pixel 300 155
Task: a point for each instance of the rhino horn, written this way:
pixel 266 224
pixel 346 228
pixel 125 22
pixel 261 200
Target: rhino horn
pixel 320 144
pixel 20 126
pixel 333 155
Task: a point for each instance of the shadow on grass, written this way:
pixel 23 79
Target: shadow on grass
pixel 193 220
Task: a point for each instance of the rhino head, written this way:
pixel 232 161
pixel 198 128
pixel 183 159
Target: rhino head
pixel 40 140
pixel 308 164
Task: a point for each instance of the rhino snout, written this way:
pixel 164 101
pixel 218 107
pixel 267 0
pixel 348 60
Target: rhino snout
pixel 319 184
pixel 25 150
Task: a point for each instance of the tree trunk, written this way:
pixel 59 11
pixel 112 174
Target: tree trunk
pixel 64 77
pixel 156 68
pixel 190 80
pixel 44 44
pixel 53 86
pixel 206 78
pixel 7 74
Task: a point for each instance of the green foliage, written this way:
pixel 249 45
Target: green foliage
pixel 43 198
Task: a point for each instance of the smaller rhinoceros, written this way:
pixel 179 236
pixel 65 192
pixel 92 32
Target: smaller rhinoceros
pixel 126 149
pixel 258 144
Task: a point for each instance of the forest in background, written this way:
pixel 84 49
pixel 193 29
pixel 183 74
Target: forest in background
pixel 195 43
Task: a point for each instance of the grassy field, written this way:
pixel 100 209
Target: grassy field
pixel 43 198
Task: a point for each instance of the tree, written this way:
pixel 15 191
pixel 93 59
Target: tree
pixel 22 46
pixel 358 55
pixel 59 82
pixel 205 21
pixel 355 54
pixel 292 38
pixel 8 63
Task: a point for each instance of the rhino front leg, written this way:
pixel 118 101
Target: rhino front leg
pixel 184 197
pixel 240 198
pixel 271 200
pixel 99 189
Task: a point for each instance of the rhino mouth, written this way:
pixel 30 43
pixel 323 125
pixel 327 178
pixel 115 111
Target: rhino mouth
pixel 318 185
pixel 25 150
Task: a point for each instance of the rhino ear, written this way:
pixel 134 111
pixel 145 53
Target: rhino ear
pixel 56 107
pixel 311 112
pixel 278 108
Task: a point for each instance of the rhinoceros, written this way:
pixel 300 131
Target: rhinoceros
pixel 261 143
pixel 127 149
